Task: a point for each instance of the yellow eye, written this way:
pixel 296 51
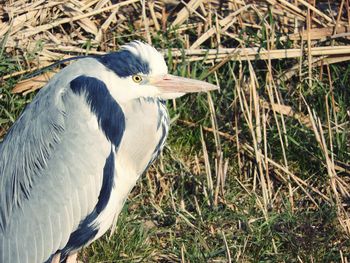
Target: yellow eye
pixel 137 78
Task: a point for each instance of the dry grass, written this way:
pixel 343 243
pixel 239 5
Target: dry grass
pixel 270 57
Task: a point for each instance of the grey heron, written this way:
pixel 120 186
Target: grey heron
pixel 69 161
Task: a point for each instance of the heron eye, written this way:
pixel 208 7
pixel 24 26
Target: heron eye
pixel 137 78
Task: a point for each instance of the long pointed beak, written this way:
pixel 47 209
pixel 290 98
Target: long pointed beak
pixel 174 84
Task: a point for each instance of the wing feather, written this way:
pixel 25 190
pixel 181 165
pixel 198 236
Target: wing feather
pixel 52 165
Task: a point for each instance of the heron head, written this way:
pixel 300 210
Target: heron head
pixel 142 72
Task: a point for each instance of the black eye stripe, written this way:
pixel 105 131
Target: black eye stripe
pixel 124 63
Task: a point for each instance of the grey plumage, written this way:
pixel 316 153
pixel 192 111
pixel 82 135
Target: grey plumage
pixel 69 161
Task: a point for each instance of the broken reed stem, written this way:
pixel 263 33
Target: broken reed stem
pixel 227 248
pixel 308 25
pixel 242 54
pixel 332 98
pixel 314 9
pixel 145 21
pixel 281 137
pixel 339 16
pixel 258 134
pixel 207 166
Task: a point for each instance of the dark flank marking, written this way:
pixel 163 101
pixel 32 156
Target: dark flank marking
pixel 161 141
pixel 107 183
pixel 86 230
pixel 109 114
pixel 80 237
pixel 124 63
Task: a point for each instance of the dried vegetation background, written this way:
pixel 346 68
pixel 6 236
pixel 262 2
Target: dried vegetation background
pixel 257 172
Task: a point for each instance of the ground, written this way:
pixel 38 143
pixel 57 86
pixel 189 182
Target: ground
pixel 257 172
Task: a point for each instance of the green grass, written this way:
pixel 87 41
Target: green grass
pixel 11 105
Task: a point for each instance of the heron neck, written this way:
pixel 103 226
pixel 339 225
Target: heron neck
pixel 146 128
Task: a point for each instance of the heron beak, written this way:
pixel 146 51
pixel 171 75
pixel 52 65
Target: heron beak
pixel 174 84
